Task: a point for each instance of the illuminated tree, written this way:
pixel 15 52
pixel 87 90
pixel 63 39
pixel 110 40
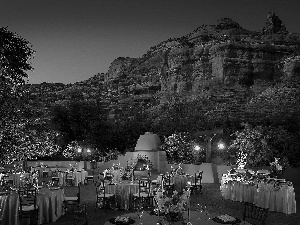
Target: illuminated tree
pixel 259 145
pixel 71 151
pixel 180 149
pixel 17 143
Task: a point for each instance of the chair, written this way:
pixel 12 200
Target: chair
pixel 90 177
pixel 72 200
pixel 28 208
pixel 168 184
pixel 254 214
pixel 101 196
pixel 80 216
pixel 45 173
pixel 144 195
pixel 197 184
pixel 54 176
pixel 70 179
pixel 8 179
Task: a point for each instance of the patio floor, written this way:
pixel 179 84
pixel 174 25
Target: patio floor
pixel 211 197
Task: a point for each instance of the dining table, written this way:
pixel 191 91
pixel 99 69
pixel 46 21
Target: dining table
pixel 194 217
pixel 49 201
pixel 181 181
pixel 15 177
pixel 123 191
pixel 79 177
pixel 278 195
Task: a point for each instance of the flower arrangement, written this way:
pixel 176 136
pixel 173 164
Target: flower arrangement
pixel 108 174
pixel 278 166
pixel 172 207
pixel 126 174
pixel 72 168
pixel 133 162
pixel 116 166
pixel 29 181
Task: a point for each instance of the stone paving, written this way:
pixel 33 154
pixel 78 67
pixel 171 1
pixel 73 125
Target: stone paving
pixel 211 197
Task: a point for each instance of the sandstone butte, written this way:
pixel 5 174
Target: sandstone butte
pixel 214 61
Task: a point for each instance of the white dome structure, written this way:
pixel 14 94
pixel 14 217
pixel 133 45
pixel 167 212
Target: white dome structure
pixel 148 142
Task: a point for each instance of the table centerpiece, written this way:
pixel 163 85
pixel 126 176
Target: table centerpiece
pixel 172 208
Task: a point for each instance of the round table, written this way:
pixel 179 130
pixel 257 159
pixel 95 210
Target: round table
pixel 123 193
pixel 50 203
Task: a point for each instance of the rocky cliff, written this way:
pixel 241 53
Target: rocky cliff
pixel 219 62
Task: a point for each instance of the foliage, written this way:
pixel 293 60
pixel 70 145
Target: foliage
pixel 71 151
pixel 15 140
pixel 180 149
pixel 278 166
pixel 258 145
pixel 18 142
pixel 133 163
pixel 172 207
pixel 15 54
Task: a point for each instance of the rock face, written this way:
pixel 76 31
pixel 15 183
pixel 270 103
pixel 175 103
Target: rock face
pixel 214 61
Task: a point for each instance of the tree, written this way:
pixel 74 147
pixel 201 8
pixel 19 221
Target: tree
pixel 180 149
pixel 15 53
pixel 259 145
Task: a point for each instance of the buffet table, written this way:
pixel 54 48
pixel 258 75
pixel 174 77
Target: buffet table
pixel 275 194
pixel 50 203
pixel 123 193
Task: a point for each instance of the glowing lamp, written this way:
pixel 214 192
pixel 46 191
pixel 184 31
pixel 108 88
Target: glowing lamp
pixel 221 146
pixel 79 150
pixel 197 147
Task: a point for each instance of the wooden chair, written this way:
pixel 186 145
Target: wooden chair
pixel 70 179
pixel 102 198
pixel 168 184
pixel 144 195
pixel 80 216
pixel 197 184
pixel 254 215
pixel 8 179
pixel 28 208
pixel 55 177
pixel 90 177
pixel 72 200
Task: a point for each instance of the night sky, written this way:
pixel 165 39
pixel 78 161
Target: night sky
pixel 76 39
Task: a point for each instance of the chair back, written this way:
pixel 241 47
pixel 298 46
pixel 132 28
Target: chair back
pixel 167 179
pixel 72 191
pixel 253 213
pixel 80 216
pixel 100 188
pixel 198 178
pixel 27 196
pixel 144 185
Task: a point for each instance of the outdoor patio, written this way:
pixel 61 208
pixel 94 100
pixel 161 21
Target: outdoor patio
pixel 211 197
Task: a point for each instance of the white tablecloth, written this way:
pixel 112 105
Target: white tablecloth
pixel 50 204
pixel 263 195
pixel 80 177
